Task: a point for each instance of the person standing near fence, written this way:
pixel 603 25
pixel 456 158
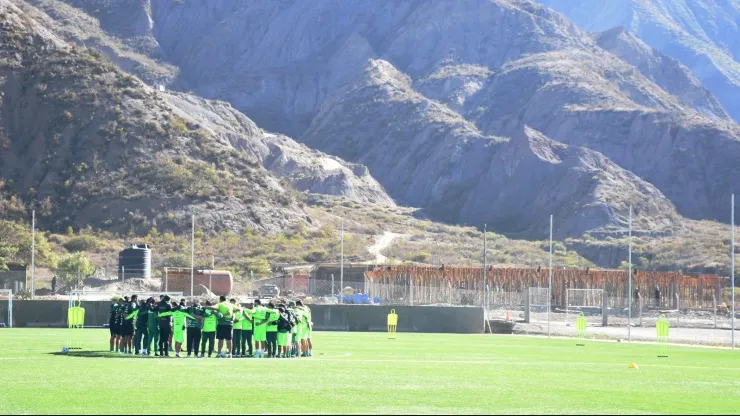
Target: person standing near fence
pixel 195 327
pixel 657 296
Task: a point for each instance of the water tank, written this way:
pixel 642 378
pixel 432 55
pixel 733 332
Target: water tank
pixel 135 262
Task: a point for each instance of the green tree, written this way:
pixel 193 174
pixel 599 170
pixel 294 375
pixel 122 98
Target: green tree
pixel 71 264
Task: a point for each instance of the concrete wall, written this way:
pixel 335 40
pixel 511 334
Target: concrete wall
pixel 53 313
pixel 410 318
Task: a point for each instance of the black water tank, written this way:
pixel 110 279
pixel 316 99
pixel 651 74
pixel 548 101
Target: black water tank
pixel 135 262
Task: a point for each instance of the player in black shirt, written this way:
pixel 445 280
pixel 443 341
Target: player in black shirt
pixel 165 327
pixel 127 327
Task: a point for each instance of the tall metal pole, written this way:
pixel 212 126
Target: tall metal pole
pixel 341 268
pixel 33 254
pixel 485 267
pixel 549 285
pixel 629 282
pixel 192 258
pixel 732 269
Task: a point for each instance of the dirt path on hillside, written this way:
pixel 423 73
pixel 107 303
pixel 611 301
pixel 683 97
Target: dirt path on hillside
pixel 382 242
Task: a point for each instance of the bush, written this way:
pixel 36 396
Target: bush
pixel 422 257
pixel 316 256
pixel 82 243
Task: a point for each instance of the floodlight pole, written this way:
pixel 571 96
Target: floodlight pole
pixel 732 268
pixel 549 285
pixel 341 268
pixel 485 267
pixel 33 254
pixel 629 281
pixel 192 257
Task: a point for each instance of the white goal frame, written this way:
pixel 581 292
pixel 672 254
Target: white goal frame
pixel 10 305
pixel 597 301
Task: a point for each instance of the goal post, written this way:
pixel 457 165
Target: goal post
pixel 6 316
pixel 588 303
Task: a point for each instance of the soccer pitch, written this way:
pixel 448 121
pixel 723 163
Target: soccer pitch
pixel 367 373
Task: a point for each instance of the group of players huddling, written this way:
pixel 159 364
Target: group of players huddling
pixel 278 331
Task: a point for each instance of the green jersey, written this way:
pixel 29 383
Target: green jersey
pixel 178 318
pixel 246 323
pixel 258 314
pixel 272 318
pixel 238 318
pixel 210 320
pixel 151 319
pixel 113 312
pixel 195 311
pixel 226 310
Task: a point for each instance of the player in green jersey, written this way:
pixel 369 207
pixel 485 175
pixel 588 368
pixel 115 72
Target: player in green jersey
pixel 273 316
pixel 112 324
pixel 224 327
pixel 119 326
pixel 178 325
pixel 247 331
pixel 238 318
pixel 210 323
pixel 259 317
pixel 309 325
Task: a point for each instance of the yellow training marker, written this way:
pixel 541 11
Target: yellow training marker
pixel 392 324
pixel 633 365
pixel 75 322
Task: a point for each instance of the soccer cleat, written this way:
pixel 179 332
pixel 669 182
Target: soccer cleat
pixel 178 355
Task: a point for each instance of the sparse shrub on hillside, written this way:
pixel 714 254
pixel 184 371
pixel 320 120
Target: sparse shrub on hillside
pixel 82 243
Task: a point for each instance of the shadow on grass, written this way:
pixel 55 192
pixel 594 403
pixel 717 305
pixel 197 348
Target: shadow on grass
pixel 99 354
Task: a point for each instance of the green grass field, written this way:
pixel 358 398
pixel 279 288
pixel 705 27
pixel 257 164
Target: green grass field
pixel 367 373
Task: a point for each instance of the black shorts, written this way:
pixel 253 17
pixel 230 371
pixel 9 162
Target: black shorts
pixel 127 329
pixel 113 328
pixel 223 332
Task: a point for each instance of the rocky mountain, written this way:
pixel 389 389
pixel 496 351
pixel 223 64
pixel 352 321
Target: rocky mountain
pixel 86 144
pixel 437 97
pixel 666 72
pixel 305 169
pixel 703 34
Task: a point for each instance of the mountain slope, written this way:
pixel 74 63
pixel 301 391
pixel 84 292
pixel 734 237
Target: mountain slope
pixel 94 146
pixel 405 87
pixel 668 73
pixel 702 34
pixel 529 173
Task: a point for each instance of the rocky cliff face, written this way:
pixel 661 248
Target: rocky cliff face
pixel 666 72
pixel 303 168
pixel 433 96
pixel 702 34
pixel 91 145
